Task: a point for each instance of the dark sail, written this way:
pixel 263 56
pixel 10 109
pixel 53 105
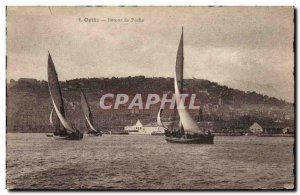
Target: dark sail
pixel 179 64
pixel 54 88
pixel 87 112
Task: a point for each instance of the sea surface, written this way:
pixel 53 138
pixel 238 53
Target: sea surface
pixel 35 161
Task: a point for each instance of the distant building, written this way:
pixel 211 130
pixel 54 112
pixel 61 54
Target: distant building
pixel 268 129
pixel 140 129
pixel 272 129
pixel 288 130
pixel 256 128
pixel 154 129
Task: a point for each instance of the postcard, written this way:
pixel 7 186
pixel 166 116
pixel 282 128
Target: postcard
pixel 150 98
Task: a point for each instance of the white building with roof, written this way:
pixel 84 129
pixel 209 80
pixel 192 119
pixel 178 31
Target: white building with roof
pixel 256 128
pixel 148 129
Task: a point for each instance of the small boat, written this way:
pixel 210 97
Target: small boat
pixel 92 131
pixel 63 130
pixel 188 131
pixel 200 139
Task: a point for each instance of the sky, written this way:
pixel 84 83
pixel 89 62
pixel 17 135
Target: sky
pixel 248 48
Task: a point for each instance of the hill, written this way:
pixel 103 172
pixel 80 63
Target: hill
pixel 29 104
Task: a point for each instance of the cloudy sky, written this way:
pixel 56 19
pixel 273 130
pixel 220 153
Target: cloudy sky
pixel 250 48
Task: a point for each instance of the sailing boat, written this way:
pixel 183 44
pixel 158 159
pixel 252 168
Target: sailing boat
pixel 63 130
pixel 188 131
pixel 92 131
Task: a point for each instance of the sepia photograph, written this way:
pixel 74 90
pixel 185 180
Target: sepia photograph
pixel 150 98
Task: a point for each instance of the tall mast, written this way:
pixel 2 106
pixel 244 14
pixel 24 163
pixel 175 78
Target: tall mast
pixel 186 121
pixel 181 89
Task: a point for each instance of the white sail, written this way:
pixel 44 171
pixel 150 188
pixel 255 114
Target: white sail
pixel 90 124
pixel 62 119
pixel 189 125
pixel 51 118
pixel 159 122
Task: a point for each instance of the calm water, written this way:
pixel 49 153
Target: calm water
pixel 148 162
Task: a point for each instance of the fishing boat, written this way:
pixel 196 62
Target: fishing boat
pixel 63 130
pixel 187 131
pixel 92 131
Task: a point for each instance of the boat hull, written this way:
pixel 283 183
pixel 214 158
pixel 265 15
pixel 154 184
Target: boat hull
pixel 73 136
pixel 203 139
